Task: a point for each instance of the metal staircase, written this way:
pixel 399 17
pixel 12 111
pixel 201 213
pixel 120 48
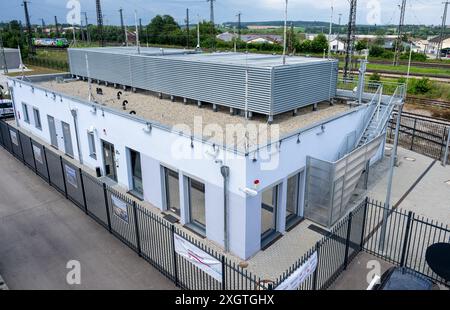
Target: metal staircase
pixel 379 117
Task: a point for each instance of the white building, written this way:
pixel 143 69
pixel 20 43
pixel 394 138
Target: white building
pixel 259 186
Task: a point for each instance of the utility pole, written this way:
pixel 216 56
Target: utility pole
pixel 88 36
pixel 137 32
pixel 82 31
pixel 285 32
pixel 338 37
pixel 124 31
pixel 329 33
pixel 211 9
pixel 187 28
pixel 401 24
pixel 351 29
pixel 30 34
pixel 239 15
pixel 56 27
pixel 5 64
pixel 141 30
pixel 444 24
pixel 100 21
pixel 198 33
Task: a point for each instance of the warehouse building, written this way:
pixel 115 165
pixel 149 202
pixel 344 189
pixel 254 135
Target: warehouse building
pixel 241 193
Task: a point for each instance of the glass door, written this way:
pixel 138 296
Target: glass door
pixel 294 199
pixel 269 208
pixel 67 139
pixel 109 160
pixel 52 129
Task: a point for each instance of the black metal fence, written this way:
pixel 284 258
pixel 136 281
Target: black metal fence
pixel 422 135
pixel 147 233
pixel 407 236
pixel 406 240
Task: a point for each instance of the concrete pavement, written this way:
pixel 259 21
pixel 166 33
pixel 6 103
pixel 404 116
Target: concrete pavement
pixel 40 231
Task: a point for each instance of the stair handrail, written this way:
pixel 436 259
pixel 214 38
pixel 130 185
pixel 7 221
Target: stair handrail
pixel 390 107
pixel 371 113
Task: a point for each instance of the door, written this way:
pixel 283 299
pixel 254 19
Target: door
pixel 52 129
pixel 294 199
pixel 109 160
pixel 269 208
pixel 68 147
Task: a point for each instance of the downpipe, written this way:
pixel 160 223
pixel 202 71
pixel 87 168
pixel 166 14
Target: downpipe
pixel 225 171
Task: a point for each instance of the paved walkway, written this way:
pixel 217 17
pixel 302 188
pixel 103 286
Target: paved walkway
pixel 40 231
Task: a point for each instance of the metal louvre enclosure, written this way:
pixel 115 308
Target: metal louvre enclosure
pixel 329 185
pixel 223 79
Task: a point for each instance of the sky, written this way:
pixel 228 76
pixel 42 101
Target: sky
pixel 379 12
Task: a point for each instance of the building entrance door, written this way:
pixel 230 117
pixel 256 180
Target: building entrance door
pixel 109 160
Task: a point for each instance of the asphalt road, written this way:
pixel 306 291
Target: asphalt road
pixel 41 231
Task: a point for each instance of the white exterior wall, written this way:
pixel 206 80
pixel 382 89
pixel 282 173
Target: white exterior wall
pixel 156 149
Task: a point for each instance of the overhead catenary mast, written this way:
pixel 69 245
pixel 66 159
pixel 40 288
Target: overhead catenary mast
pixel 444 25
pixel 88 35
pixel 29 31
pixel 331 29
pixel 187 28
pixel 401 24
pixel 100 22
pixel 137 32
pixel 351 33
pixel 56 27
pixel 285 32
pixel 124 30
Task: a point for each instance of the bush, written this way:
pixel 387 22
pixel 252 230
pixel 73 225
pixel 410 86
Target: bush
pixel 376 77
pixel 414 57
pixel 380 52
pixel 420 87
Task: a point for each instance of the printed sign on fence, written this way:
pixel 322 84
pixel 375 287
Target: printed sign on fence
pixel 71 176
pixel 120 208
pixel 14 140
pixel 38 154
pixel 294 281
pixel 198 257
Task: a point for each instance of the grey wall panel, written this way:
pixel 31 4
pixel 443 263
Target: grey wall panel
pixel 221 82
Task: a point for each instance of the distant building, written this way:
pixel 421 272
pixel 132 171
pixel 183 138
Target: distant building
pixel 434 43
pixel 252 38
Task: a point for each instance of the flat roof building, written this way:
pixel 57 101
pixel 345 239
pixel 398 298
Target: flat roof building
pixel 173 153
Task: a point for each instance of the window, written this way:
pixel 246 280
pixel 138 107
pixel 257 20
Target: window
pixel 37 118
pixel 196 196
pixel 91 142
pixel 294 199
pixel 172 188
pixel 26 116
pixel 136 173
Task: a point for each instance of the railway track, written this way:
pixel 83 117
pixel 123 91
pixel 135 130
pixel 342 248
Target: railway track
pixel 428 102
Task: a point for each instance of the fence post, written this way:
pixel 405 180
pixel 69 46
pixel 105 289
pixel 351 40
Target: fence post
pixel 414 134
pixel 64 177
pixel 406 239
pixel 223 274
pixel 347 241
pixel 447 145
pixel 317 268
pixel 32 153
pixel 46 165
pixel 175 267
pixel 136 229
pixel 82 188
pixel 363 230
pixel 108 216
pixel 21 147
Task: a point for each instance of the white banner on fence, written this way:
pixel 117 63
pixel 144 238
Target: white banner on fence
pixel 294 281
pixel 38 154
pixel 198 257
